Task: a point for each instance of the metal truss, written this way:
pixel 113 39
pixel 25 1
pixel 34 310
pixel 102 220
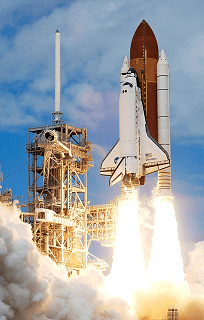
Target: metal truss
pixel 102 223
pixel 63 225
pixel 59 157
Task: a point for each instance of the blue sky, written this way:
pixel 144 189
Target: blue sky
pixel 95 37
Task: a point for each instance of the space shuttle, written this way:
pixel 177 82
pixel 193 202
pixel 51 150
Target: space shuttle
pixel 137 153
pixel 144 117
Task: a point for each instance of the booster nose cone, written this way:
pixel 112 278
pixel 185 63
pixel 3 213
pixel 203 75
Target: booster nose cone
pixel 162 58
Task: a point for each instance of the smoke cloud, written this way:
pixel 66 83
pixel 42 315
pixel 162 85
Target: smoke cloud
pixel 195 269
pixel 33 287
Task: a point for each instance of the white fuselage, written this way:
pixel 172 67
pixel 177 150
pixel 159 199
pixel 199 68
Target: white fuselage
pixel 128 123
pixel 127 118
pixel 136 153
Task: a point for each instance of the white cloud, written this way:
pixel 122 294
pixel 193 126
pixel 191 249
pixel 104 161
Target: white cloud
pixel 88 106
pixel 100 151
pixel 95 36
pixel 195 270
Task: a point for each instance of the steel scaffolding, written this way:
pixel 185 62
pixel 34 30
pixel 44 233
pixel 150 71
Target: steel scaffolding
pixel 59 156
pixel 102 223
pixel 63 226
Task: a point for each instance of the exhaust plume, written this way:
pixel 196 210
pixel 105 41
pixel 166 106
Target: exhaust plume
pixel 128 269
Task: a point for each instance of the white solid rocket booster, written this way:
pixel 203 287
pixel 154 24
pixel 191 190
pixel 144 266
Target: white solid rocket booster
pixel 163 114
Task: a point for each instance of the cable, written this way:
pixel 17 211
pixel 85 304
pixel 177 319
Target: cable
pixel 65 40
pixel 26 44
pixel 85 64
pixel 16 170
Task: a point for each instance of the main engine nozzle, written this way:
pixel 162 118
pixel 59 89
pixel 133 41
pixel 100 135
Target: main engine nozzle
pixel 130 180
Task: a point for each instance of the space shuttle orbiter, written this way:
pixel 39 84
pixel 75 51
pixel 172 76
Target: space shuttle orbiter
pixel 136 153
pixel 144 117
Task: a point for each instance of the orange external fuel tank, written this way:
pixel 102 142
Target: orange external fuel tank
pixel 143 58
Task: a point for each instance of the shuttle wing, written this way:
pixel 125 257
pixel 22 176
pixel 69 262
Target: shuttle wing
pixel 109 163
pixel 119 172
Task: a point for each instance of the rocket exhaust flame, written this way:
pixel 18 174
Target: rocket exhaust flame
pixel 149 294
pixel 128 268
pixel 165 262
pixel 164 283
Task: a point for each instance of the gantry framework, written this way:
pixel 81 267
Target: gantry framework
pixel 102 223
pixel 63 226
pixel 59 157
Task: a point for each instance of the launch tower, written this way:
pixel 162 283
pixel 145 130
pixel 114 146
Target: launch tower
pixel 59 157
pixel 63 226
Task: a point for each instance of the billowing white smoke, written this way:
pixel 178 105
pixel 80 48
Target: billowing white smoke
pixel 195 269
pixel 34 287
